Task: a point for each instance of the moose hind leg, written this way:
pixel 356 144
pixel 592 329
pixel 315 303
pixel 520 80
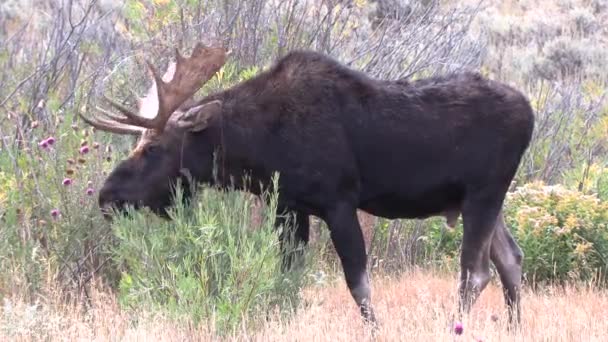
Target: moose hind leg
pixel 348 241
pixel 507 257
pixel 479 217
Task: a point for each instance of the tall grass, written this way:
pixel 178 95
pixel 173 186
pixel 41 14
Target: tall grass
pixel 417 306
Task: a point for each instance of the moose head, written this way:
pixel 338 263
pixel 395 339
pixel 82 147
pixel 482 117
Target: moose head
pixel 166 122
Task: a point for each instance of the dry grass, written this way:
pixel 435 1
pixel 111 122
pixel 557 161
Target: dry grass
pixel 416 307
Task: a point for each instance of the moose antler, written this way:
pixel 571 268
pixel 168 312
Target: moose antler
pixel 181 80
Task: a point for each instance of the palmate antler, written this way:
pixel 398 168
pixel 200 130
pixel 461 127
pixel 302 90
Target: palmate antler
pixel 181 80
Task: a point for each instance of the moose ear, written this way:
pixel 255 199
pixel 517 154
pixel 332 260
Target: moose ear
pixel 197 118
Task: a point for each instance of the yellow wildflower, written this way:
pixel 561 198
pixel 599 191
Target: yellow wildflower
pixel 572 222
pixel 582 248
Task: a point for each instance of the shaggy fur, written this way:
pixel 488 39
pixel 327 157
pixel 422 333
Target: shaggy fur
pixel 341 141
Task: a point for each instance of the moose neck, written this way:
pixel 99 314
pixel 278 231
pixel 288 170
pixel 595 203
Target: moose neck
pixel 237 159
pixel 223 155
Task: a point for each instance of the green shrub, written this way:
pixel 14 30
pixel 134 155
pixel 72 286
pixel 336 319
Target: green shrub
pixel 590 178
pixel 207 262
pixel 442 245
pixel 563 234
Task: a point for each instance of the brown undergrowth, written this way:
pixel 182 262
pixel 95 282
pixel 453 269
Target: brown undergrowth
pixel 418 306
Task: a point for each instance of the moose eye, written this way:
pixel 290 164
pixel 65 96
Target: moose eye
pixel 152 150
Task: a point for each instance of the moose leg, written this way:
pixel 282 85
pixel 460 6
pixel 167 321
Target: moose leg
pixel 348 241
pixel 507 257
pixel 479 219
pixel 295 230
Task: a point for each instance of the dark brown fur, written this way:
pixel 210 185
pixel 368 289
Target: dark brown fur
pixel 341 141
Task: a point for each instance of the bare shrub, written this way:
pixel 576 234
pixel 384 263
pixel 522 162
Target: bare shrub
pixel 80 40
pixel 389 9
pixel 584 21
pixel 397 245
pixel 428 40
pixel 599 6
pixel 569 58
pixel 562 58
pixel 566 131
pixel 49 58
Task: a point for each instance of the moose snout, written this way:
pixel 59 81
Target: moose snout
pixel 107 199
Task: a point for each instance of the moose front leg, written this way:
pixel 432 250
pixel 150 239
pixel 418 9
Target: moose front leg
pixel 348 241
pixel 295 229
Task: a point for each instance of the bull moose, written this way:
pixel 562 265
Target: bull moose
pixel 340 141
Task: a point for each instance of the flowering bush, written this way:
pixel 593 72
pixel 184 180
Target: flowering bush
pixel 52 230
pixel 563 233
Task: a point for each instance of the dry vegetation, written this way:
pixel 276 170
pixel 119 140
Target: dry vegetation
pixel 416 307
pixel 556 51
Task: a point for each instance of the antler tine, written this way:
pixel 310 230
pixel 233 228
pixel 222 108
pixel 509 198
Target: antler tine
pixel 112 127
pixel 190 74
pixel 155 74
pixel 130 117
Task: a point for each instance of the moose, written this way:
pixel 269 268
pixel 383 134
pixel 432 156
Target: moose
pixel 340 141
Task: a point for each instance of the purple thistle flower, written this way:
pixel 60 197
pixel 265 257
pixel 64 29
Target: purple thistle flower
pixel 44 144
pixel 458 328
pixel 90 191
pixel 50 140
pixel 84 149
pixel 67 181
pixel 55 213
